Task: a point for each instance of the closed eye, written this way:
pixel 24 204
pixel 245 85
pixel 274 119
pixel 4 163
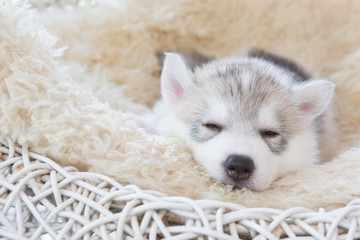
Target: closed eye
pixel 213 126
pixel 268 133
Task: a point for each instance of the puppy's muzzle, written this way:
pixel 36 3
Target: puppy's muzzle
pixel 239 167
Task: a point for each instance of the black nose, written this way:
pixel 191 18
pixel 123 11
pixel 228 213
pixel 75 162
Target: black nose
pixel 239 167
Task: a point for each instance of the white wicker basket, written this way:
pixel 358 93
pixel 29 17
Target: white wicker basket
pixel 39 198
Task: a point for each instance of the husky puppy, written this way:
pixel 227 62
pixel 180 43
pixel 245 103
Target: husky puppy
pixel 248 119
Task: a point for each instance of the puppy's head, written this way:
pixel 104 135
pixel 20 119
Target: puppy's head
pixel 246 120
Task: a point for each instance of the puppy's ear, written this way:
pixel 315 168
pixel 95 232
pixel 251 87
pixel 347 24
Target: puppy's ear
pixel 176 78
pixel 313 97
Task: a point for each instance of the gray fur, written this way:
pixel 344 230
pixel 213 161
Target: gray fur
pixel 298 72
pixel 199 134
pixel 278 144
pixel 225 84
pixel 247 97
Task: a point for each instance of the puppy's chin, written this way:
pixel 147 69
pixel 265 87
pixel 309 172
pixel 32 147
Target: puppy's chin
pixel 246 184
pixel 239 185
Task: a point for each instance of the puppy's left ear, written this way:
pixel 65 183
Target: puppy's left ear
pixel 176 78
pixel 313 97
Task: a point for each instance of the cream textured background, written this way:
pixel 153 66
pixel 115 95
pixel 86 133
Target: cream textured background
pixel 69 105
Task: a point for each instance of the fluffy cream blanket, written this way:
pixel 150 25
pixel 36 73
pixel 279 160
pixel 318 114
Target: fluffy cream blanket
pixel 68 103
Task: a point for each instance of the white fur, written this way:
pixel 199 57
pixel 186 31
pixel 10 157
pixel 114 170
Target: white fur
pixel 301 153
pixel 309 99
pixel 176 78
pixel 317 93
pixel 267 118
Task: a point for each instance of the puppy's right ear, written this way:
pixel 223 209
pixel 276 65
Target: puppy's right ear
pixel 176 78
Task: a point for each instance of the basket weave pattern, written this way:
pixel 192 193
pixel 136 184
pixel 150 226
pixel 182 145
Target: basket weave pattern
pixel 38 197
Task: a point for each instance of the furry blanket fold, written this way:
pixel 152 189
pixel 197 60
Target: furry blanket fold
pixel 68 105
